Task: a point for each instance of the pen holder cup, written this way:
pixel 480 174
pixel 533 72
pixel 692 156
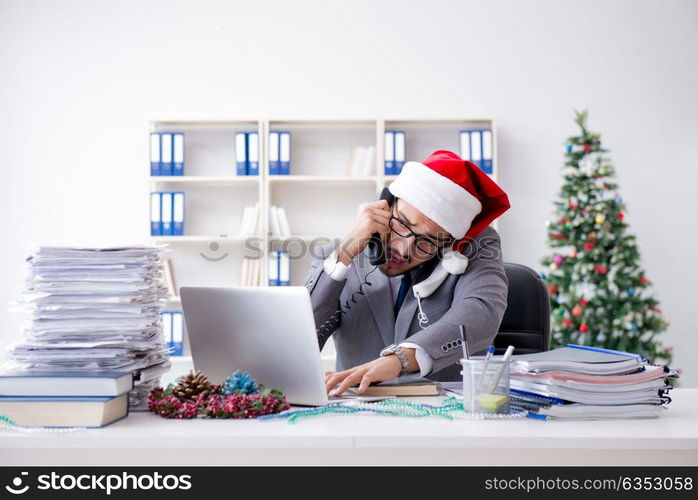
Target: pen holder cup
pixel 485 386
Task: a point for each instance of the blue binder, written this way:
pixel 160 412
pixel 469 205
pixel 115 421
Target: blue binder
pixel 284 268
pixel 487 151
pixel 400 145
pixel 465 145
pixel 178 214
pixel 177 333
pixel 253 153
pixel 166 213
pixel 155 215
pixel 274 268
pixel 389 153
pixel 178 153
pixel 476 147
pixel 274 162
pixel 155 167
pixel 284 153
pixel 166 153
pixel 241 153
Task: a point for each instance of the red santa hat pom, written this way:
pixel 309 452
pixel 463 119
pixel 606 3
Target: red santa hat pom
pixel 452 192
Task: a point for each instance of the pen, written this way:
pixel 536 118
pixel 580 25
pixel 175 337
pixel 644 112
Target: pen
pixel 505 360
pixel 490 352
pixel 466 351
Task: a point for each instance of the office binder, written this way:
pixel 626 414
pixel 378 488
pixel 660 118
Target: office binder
pixel 284 153
pixel 389 165
pixel 177 333
pixel 284 268
pixel 273 270
pixel 166 317
pixel 465 145
pixel 166 213
pixel 166 153
pixel 178 214
pixel 155 218
pixel 155 154
pixel 253 153
pixel 476 147
pixel 274 165
pixel 487 151
pixel 241 153
pixel 399 152
pixel 178 153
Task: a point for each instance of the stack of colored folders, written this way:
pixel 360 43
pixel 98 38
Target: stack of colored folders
pixel 94 310
pixel 580 382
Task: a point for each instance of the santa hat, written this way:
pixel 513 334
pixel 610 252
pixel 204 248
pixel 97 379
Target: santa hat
pixel 452 192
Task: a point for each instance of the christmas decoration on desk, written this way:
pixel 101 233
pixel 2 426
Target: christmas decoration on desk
pixel 601 282
pixel 450 408
pixel 191 385
pixel 195 397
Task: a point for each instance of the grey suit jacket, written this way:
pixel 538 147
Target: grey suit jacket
pixel 476 299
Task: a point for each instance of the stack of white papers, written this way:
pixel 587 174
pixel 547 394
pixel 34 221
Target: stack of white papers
pixel 93 309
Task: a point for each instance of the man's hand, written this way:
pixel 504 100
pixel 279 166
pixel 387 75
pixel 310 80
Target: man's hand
pixel 378 370
pixel 373 218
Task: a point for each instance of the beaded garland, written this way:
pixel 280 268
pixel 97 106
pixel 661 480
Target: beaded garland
pixel 450 408
pixel 9 424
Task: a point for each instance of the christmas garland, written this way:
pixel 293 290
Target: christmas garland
pixel 195 397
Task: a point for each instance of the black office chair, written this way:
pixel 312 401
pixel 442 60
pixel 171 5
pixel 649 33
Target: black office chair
pixel 526 322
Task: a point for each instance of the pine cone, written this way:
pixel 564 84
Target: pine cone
pixel 191 385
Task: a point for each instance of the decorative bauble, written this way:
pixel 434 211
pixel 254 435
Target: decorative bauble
pixel 630 292
pixel 603 171
pixel 587 148
pixel 569 148
pixel 600 218
pixel 557 259
pixel 588 246
pixel 600 269
pixel 585 212
pixel 191 385
pixel 583 328
pixel 553 267
pixel 593 236
pixel 573 206
pixel 644 280
pixel 552 289
pixel 566 322
pixel 583 302
pixel 576 311
pixel 560 311
pixel 568 226
pixel 573 253
pixel 240 383
pixel 621 215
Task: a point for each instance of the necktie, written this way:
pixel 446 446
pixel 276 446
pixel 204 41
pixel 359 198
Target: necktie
pixel 402 293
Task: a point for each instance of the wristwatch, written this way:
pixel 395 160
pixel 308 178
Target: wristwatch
pixel 401 355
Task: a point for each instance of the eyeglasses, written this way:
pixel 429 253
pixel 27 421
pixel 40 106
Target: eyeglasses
pixel 425 245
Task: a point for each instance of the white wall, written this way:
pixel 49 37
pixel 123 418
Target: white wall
pixel 79 81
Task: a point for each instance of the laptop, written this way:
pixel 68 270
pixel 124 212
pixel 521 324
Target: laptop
pixel 266 331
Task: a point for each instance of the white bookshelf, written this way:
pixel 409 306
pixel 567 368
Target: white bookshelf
pixel 321 199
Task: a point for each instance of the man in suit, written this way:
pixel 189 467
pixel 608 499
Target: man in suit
pixel 443 268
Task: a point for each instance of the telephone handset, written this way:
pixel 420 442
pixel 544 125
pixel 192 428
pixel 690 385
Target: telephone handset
pixel 374 248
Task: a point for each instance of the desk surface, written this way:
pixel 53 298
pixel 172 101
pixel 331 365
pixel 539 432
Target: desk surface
pixel 145 439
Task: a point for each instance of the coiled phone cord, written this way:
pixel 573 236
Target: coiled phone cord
pixel 331 324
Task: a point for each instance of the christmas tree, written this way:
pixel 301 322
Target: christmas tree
pixel 598 291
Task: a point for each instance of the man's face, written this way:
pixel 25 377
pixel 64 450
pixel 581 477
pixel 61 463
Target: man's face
pixel 413 239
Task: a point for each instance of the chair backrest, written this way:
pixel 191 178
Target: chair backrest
pixel 526 322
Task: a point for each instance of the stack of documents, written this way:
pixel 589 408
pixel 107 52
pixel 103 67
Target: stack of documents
pixel 94 310
pixel 589 383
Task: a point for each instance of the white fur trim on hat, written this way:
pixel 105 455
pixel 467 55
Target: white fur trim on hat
pixel 449 205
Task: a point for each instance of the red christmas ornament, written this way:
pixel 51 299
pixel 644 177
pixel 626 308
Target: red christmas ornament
pixel 583 302
pixel 552 289
pixel 573 206
pixel 566 322
pixel 576 311
pixel 585 212
pixel 559 236
pixel 620 215
pixel 588 246
pixel 587 148
pixel 583 328
pixel 644 280
pixel 600 269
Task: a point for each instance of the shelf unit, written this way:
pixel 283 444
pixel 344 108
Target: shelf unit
pixel 319 196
